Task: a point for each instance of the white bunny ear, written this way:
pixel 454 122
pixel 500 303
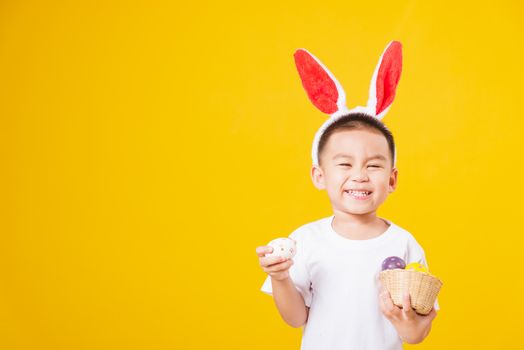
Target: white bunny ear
pixel 385 80
pixel 322 88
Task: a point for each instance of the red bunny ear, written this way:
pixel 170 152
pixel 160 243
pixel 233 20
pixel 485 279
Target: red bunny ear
pixel 324 91
pixel 385 79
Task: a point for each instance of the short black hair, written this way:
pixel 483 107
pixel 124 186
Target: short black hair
pixel 359 121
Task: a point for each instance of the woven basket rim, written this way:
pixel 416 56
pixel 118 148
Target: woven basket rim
pixel 408 271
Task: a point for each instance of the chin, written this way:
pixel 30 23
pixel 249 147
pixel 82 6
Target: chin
pixel 359 212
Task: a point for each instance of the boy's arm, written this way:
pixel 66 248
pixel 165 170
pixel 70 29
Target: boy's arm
pixel 289 301
pixel 411 327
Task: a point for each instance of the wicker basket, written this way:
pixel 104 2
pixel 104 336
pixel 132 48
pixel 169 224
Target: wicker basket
pixel 423 288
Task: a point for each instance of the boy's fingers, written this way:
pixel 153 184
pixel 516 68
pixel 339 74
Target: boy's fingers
pixel 381 304
pixel 279 266
pixel 383 307
pixel 386 299
pixel 263 250
pixel 381 288
pixel 271 260
pixel 432 314
pixel 407 310
pixel 390 308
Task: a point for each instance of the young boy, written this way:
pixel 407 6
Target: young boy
pixel 331 285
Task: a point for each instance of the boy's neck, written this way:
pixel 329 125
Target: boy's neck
pixel 359 226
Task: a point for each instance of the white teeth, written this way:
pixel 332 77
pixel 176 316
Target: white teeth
pixel 359 193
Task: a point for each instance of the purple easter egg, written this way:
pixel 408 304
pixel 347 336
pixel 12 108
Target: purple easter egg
pixel 393 262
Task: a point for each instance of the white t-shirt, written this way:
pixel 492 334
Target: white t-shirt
pixel 338 279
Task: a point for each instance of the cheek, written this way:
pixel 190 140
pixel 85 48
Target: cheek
pixel 335 182
pixel 381 180
pixel 336 177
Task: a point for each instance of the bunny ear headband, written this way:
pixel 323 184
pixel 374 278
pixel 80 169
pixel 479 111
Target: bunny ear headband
pixel 326 93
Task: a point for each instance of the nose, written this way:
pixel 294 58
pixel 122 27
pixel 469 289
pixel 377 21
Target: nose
pixel 359 175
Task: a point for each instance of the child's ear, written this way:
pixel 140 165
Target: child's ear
pixel 393 178
pixel 317 175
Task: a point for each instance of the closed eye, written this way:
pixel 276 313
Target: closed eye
pixel 371 166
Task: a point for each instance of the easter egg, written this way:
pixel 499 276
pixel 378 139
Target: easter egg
pixel 283 247
pixel 417 267
pixel 393 262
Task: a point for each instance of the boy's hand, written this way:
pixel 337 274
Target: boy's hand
pixel 275 266
pixel 411 327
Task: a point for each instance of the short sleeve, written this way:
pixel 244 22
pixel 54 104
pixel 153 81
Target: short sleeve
pixel 298 271
pixel 416 254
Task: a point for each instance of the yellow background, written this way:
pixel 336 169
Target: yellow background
pixel 147 148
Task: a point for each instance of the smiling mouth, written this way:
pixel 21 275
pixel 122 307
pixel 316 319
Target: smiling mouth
pixel 358 194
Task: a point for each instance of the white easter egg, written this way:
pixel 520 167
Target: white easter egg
pixel 284 247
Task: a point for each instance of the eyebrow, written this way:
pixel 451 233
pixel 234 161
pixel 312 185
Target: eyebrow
pixel 376 156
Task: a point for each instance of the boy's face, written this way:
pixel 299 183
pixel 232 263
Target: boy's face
pixel 356 160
